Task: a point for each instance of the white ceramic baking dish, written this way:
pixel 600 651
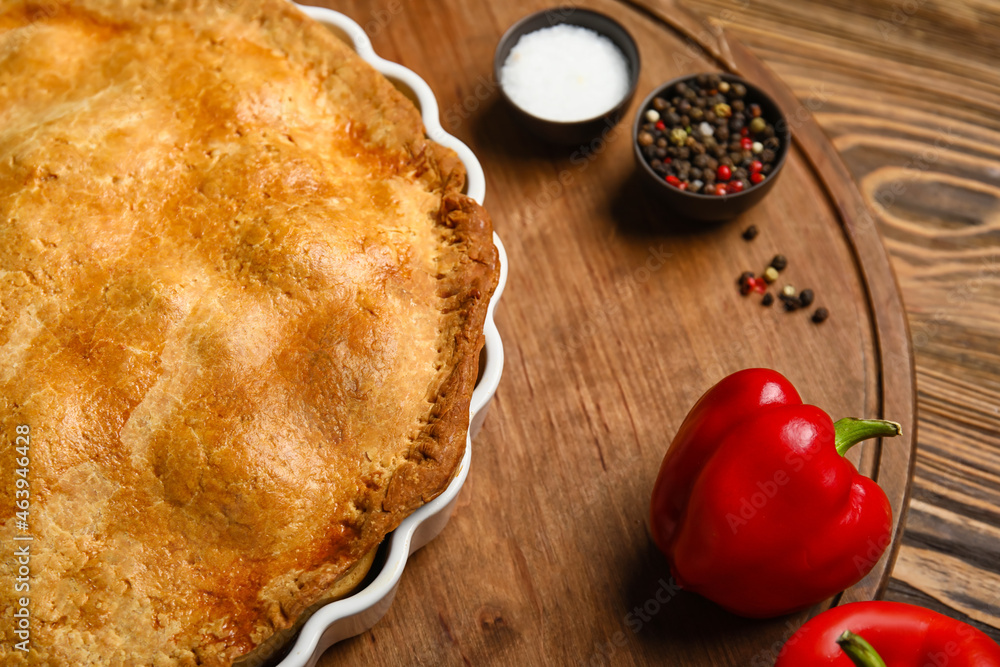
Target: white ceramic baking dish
pixel 360 611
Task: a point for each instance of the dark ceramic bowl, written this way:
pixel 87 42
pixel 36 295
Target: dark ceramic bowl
pixel 708 207
pixel 580 131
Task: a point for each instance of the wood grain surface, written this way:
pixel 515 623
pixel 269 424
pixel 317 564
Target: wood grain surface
pixel 909 93
pixel 615 322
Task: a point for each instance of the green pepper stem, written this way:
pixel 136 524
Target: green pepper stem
pixel 850 432
pixel 859 651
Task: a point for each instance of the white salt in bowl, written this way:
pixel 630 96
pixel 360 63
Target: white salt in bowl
pixel 578 131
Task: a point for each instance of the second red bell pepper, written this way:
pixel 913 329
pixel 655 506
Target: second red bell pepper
pixel 755 505
pixel 901 635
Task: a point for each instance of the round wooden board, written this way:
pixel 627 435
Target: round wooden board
pixel 615 320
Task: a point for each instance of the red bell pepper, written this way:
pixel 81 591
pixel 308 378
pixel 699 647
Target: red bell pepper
pixel 756 507
pixel 888 633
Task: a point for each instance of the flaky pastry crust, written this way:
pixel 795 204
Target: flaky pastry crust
pixel 241 307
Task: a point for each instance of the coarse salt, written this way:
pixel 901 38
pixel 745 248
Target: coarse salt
pixel 565 73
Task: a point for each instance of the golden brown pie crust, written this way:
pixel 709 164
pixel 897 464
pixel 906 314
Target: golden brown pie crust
pixel 241 306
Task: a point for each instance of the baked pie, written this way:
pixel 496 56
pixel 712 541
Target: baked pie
pixel 241 308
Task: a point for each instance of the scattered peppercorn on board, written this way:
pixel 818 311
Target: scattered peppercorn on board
pixel 617 320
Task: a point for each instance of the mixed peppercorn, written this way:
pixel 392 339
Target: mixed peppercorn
pixel 702 135
pixel 792 300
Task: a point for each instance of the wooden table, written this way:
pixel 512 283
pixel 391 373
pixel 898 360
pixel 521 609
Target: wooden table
pixel 910 95
pixel 881 78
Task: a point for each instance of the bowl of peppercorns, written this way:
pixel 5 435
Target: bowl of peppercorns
pixel 710 145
